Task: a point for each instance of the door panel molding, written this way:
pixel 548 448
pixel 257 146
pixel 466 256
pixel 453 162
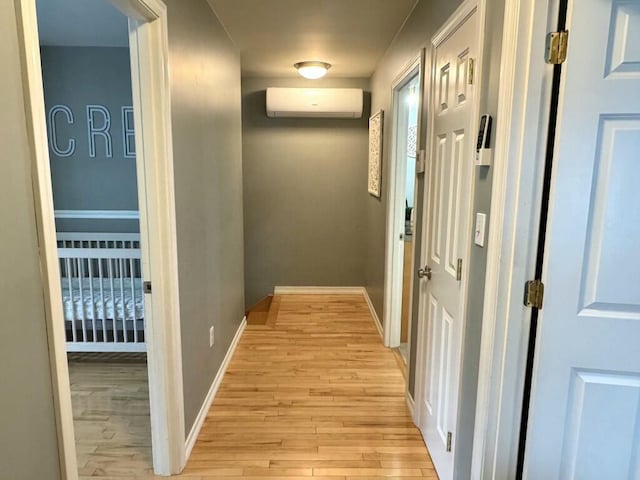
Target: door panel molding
pixel 436 344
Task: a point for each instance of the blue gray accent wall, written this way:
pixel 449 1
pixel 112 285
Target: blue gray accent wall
pixel 90 124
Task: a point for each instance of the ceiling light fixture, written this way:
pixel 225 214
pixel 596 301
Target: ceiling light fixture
pixel 312 70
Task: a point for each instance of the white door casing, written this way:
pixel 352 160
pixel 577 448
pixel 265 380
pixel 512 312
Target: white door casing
pixel 447 236
pixel 584 420
pixel 394 251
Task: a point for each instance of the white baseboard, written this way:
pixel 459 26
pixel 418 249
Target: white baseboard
pixel 411 405
pixel 202 414
pixel 317 290
pixel 374 314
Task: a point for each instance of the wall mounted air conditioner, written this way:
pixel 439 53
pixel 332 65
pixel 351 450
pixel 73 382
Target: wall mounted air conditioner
pixel 314 102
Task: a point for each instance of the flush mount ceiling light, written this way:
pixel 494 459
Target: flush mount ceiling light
pixel 312 70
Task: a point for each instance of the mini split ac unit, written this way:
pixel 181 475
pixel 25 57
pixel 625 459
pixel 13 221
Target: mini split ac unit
pixel 314 102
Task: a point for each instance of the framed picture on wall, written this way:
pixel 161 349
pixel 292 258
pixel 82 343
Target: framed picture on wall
pixel 375 153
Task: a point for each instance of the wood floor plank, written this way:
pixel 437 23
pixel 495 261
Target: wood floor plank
pixel 315 395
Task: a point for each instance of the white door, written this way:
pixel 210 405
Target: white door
pixel 447 240
pixel 584 420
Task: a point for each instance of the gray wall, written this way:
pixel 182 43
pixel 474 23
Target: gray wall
pixel 427 17
pixel 207 146
pixel 77 77
pixel 304 193
pixel 28 441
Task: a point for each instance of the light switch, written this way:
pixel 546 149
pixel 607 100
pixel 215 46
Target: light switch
pixel 481 221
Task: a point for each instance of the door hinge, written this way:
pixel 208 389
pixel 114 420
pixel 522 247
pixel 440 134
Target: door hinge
pixel 459 270
pixel 533 293
pixel 146 287
pixel 471 70
pixel 449 439
pixel 556 47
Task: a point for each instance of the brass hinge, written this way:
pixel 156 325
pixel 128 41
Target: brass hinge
pixel 533 293
pixel 459 270
pixel 556 47
pixel 470 65
pixel 449 439
pixel 146 287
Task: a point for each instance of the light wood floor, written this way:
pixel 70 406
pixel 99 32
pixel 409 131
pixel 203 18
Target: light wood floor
pixel 111 419
pixel 316 396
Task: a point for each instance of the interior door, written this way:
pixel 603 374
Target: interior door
pixel 584 420
pixel 447 219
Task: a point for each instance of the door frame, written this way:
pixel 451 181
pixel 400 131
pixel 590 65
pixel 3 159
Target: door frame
pixel 394 254
pixel 151 98
pixel 466 9
pixel 520 137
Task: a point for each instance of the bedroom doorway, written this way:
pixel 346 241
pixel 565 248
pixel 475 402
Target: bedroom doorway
pixel 92 153
pixel 104 251
pixel 400 218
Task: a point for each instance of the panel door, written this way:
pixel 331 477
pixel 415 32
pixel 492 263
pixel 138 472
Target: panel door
pixel 451 163
pixel 585 402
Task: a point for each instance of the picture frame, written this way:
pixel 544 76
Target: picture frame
pixel 376 125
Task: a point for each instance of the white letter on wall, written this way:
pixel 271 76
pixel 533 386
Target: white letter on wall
pixel 53 133
pixel 128 133
pixel 103 130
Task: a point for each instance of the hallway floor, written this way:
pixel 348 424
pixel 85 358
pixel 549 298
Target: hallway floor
pixel 316 396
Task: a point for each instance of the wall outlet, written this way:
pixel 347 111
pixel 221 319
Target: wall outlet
pixel 211 336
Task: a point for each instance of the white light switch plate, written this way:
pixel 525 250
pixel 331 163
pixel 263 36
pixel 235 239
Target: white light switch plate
pixel 481 222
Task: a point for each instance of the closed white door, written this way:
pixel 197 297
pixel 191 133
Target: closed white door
pixel 447 219
pixel 584 420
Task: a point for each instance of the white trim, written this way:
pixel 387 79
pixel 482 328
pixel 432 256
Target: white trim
pixel 43 202
pixel 109 347
pixel 455 20
pixel 99 214
pixel 149 51
pixel 217 381
pixel 523 112
pixel 374 314
pixel 411 405
pixel 151 95
pixel 317 290
pixel 394 249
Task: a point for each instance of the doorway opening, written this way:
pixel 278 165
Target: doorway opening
pixel 401 214
pixel 89 112
pixel 407 135
pixel 117 314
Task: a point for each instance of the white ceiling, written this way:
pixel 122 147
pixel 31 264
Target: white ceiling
pixel 272 35
pixel 85 23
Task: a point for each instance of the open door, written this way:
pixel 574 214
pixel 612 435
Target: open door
pixel 584 418
pixel 447 236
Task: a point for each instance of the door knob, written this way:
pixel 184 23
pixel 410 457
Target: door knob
pixel 425 272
